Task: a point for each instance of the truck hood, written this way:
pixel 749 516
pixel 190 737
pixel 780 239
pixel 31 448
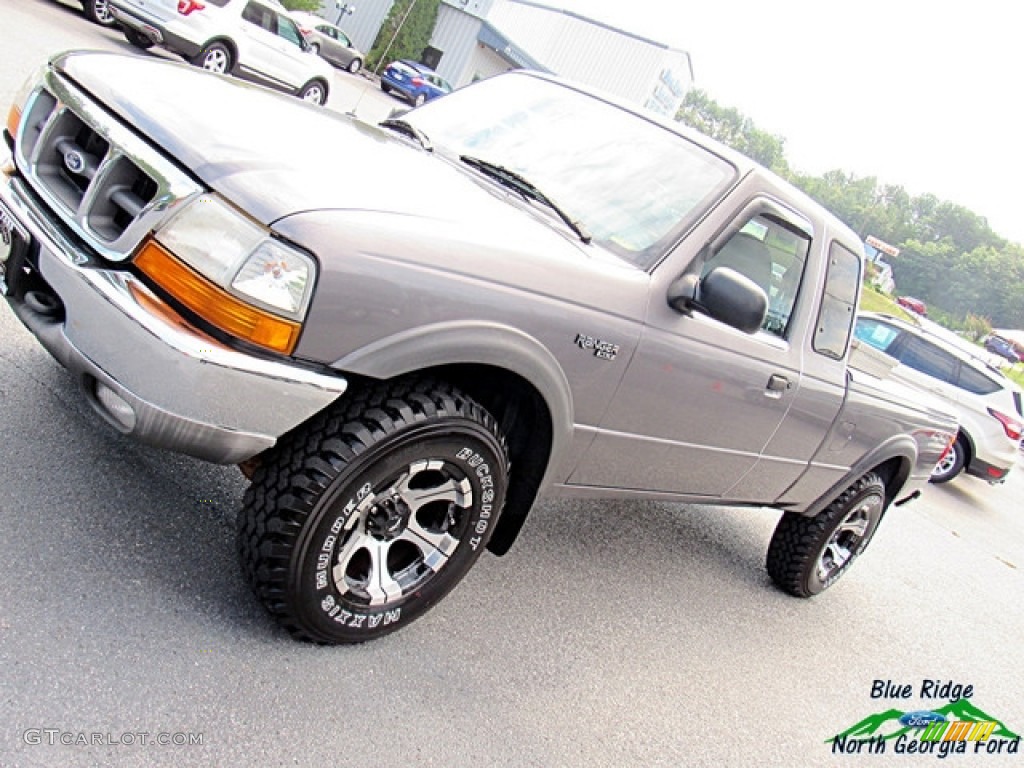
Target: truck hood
pixel 273 155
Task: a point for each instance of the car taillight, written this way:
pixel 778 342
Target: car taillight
pixel 185 7
pixel 1011 426
pixel 417 81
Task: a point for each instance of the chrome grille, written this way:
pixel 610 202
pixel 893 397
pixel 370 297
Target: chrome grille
pixel 104 181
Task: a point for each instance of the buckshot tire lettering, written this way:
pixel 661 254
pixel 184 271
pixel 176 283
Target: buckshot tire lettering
pixel 371 513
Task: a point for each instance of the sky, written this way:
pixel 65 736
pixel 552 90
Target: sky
pixel 926 95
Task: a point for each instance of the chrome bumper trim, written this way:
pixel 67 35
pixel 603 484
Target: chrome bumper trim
pixel 190 393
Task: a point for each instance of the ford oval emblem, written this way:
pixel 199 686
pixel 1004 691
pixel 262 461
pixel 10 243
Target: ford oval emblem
pixel 74 161
pixel 921 718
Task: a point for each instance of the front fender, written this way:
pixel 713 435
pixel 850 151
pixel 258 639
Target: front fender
pixel 476 343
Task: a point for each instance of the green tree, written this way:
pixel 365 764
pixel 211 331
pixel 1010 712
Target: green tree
pixel 977 327
pixel 405 33
pixel 301 5
pixel 733 129
pixel 949 255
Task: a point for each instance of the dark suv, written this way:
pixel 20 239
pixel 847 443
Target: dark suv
pixel 1000 346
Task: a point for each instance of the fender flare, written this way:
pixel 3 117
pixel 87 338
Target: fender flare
pixel 900 447
pixel 474 343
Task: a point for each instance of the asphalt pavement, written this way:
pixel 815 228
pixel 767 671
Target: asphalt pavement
pixel 614 633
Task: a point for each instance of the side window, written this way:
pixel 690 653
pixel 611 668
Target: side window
pixel 258 15
pixel 925 357
pixel 838 303
pixel 878 335
pixel 286 28
pixel 976 381
pixel 773 256
pixel 342 38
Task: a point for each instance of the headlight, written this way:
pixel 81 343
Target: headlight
pixel 230 271
pixel 238 255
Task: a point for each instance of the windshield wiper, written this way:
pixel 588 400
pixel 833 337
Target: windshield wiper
pixel 410 130
pixel 524 187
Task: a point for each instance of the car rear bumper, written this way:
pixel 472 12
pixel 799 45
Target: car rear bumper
pixel 146 370
pixel 159 33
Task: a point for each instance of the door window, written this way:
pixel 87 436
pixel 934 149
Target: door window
pixel 838 303
pixel 773 256
pixel 286 28
pixel 925 357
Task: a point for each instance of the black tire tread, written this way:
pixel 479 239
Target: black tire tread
pixel 797 539
pixel 285 488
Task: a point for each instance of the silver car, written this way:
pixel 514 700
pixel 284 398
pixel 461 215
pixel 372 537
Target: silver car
pixel 329 42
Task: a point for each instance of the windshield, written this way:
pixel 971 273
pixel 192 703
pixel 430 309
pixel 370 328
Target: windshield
pixel 633 185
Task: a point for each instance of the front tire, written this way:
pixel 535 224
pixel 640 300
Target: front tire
pixel 951 464
pixel 366 517
pixel 315 92
pixel 215 57
pixel 807 555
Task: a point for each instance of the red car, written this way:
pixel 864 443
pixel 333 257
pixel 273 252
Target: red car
pixel 914 305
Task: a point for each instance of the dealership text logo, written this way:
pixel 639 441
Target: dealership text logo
pixel 956 727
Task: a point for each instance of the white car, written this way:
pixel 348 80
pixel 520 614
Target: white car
pixel 255 40
pixel 987 403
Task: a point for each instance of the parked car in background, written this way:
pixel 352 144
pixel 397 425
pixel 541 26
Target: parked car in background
pixel 1000 346
pixel 914 305
pixel 329 42
pixel 987 403
pixel 255 40
pixel 416 82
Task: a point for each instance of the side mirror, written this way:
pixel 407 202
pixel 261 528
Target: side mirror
pixel 723 294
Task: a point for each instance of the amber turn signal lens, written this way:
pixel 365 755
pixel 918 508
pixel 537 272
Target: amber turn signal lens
pixel 215 304
pixel 13 119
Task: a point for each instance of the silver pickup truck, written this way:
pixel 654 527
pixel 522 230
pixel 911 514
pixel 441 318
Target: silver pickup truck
pixel 405 334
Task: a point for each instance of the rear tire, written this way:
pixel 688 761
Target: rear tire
pixel 807 555
pixel 354 66
pixel 98 12
pixel 364 518
pixel 420 100
pixel 216 57
pixel 138 39
pixel 952 463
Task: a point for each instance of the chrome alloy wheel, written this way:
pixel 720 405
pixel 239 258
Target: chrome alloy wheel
pixel 847 538
pixel 216 60
pixel 402 533
pixel 946 464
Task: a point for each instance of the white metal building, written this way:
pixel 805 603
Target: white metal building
pixel 480 38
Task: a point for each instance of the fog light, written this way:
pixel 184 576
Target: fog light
pixel 115 406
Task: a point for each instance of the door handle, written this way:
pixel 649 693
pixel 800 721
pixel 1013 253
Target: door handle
pixel 777 384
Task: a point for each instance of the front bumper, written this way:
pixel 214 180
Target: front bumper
pixel 143 368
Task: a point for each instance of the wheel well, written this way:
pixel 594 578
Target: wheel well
pixel 316 80
pixel 894 474
pixel 228 43
pixel 964 439
pixel 525 420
